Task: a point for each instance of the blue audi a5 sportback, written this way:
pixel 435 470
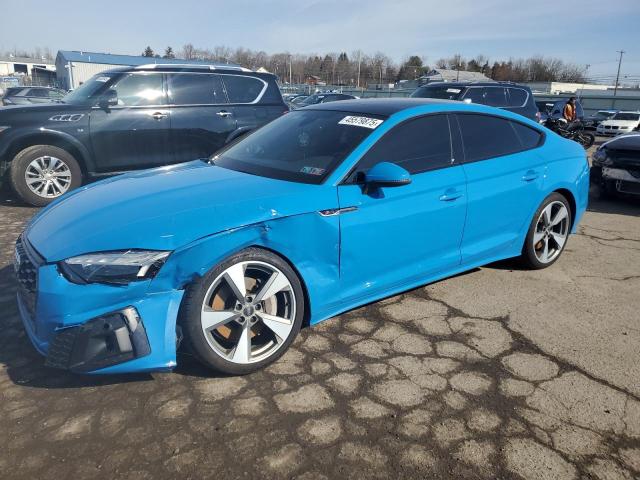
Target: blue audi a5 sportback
pixel 324 209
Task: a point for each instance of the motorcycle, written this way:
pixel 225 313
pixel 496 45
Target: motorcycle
pixel 573 131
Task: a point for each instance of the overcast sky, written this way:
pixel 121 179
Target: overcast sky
pixel 584 32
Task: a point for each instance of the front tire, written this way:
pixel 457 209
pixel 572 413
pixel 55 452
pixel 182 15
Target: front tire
pixel 548 233
pixel 42 173
pixel 244 313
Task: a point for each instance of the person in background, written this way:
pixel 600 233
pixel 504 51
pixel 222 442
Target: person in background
pixel 569 112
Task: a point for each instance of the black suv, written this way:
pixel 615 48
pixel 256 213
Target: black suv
pixel 131 118
pixel 510 96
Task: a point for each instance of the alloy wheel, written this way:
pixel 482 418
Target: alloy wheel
pixel 248 312
pixel 48 177
pixel 552 229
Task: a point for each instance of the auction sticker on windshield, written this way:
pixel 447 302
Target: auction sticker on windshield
pixel 365 122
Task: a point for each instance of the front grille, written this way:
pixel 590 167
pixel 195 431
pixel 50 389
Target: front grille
pixel 629 187
pixel 27 275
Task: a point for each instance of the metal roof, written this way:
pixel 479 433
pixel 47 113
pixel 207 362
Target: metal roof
pixel 454 75
pixel 38 61
pixel 109 59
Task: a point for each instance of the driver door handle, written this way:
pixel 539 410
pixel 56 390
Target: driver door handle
pixel 450 195
pixel 530 176
pixel 224 113
pixel 159 115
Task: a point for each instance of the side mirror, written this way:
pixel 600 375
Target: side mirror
pixel 108 99
pixel 386 174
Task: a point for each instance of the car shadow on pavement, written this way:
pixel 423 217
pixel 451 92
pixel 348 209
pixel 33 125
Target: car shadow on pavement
pixel 23 365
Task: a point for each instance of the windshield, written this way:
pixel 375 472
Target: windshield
pixel 602 115
pixel 442 92
pixel 301 146
pixel 84 93
pixel 626 116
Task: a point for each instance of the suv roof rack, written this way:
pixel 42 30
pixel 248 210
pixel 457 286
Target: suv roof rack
pixel 191 65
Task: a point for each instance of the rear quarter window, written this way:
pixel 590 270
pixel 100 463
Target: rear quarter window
pixel 241 89
pixel 529 137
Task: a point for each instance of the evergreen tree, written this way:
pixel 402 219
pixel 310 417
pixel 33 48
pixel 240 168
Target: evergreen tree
pixel 148 52
pixel 168 53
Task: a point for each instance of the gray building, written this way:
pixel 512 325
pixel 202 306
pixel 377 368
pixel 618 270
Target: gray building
pixel 74 67
pixel 445 75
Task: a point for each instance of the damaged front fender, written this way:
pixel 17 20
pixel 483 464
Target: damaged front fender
pixel 314 255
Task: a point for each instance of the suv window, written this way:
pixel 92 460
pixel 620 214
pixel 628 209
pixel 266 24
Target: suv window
pixel 37 92
pixel 140 89
pixel 495 97
pixel 196 89
pixel 242 89
pixel 417 145
pixel 475 94
pixel 485 136
pixel 517 97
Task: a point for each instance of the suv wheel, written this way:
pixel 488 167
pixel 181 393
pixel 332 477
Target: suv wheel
pixel 42 173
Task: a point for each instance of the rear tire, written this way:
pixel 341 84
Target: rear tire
pixel 244 313
pixel 586 139
pixel 42 173
pixel 548 233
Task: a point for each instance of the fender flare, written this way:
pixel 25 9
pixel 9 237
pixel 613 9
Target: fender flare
pixel 41 134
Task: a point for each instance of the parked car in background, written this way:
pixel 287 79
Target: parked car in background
pixel 616 166
pixel 131 118
pixel 325 209
pixel 621 122
pixel 29 95
pixel 317 98
pixel 506 95
pixel 297 100
pixel 592 121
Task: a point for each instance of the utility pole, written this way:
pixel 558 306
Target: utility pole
pixel 615 88
pixel 290 75
pixel 358 82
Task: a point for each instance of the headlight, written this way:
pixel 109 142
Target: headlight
pixel 120 267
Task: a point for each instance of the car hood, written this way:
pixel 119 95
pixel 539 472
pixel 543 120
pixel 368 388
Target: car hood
pixel 166 208
pixel 620 123
pixel 51 107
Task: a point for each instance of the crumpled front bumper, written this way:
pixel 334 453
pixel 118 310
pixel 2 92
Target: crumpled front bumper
pixel 62 322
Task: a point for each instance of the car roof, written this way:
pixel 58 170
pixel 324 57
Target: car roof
pixel 474 84
pixel 189 68
pixel 379 106
pixel 630 141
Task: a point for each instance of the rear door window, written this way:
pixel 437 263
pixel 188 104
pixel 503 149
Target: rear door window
pixel 241 89
pixel 485 136
pixel 517 97
pixel 495 97
pixel 196 89
pixel 417 145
